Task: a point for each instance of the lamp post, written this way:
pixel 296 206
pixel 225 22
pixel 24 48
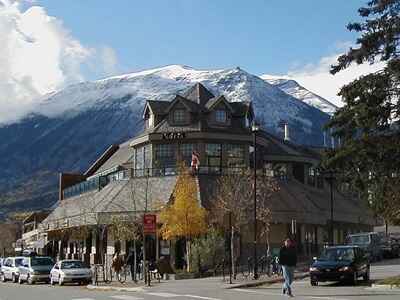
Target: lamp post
pixel 254 129
pixel 330 176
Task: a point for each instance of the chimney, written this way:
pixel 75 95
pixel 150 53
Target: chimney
pixel 287 137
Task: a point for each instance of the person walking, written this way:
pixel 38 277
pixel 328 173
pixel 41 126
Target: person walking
pixel 288 261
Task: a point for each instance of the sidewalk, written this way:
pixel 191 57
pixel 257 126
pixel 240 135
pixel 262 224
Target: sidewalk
pixel 215 282
pixel 242 282
pixel 128 286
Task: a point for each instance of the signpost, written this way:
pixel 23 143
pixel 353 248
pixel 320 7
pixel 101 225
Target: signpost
pixel 149 227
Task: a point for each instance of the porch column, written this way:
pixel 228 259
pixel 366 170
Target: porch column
pixel 92 251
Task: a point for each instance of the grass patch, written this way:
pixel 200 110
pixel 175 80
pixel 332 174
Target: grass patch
pixel 391 281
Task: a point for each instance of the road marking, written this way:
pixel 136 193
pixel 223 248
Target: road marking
pixel 126 297
pixel 327 298
pixel 257 292
pixel 164 295
pixel 200 297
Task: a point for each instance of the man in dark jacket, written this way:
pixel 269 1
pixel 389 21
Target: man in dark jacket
pixel 288 261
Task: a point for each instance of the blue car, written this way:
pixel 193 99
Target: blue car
pixel 340 263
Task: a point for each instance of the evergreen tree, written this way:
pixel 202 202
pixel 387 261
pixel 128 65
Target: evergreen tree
pixel 368 123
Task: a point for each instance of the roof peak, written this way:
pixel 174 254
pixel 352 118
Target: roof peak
pixel 198 93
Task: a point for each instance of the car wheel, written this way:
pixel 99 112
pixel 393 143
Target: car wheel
pixel 14 278
pixel 20 280
pixel 314 283
pixel 51 280
pixel 367 275
pixel 30 280
pixel 3 278
pixel 60 282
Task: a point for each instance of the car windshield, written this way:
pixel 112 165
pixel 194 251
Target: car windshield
pixel 359 239
pixel 41 261
pixel 18 262
pixel 337 254
pixel 76 264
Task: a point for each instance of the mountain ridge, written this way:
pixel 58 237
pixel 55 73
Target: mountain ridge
pixel 70 128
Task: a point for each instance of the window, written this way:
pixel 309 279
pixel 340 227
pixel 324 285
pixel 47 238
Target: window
pixel 213 152
pixel 311 176
pixel 179 116
pixel 220 116
pixel 147 156
pixel 235 156
pixel 150 121
pixel 165 155
pixel 185 151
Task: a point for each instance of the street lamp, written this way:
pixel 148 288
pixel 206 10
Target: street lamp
pixel 330 176
pixel 254 129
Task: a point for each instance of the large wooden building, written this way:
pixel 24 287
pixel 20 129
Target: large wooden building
pixel 129 178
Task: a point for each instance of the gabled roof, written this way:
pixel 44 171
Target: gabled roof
pixel 198 94
pixel 190 105
pixel 101 160
pixel 214 101
pixel 156 107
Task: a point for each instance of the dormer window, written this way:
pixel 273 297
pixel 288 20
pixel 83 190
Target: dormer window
pixel 220 116
pixel 180 116
pixel 150 121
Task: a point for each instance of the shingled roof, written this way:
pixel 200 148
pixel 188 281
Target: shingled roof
pixel 199 94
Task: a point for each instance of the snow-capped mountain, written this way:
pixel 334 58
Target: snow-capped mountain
pixel 293 88
pixel 70 128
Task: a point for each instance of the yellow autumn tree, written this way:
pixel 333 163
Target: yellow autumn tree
pixel 184 217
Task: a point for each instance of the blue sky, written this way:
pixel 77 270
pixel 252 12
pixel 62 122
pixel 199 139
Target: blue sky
pixel 260 36
pixel 50 44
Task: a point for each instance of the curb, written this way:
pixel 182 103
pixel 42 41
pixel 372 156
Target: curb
pixel 262 282
pixel 114 288
pixel 385 286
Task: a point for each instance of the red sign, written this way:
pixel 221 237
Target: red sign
pixel 149 224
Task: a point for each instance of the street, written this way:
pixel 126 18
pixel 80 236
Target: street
pixel 210 289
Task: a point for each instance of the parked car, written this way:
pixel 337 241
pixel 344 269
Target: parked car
pixel 370 242
pixel 340 263
pixel 35 269
pixel 66 271
pixel 390 246
pixel 10 269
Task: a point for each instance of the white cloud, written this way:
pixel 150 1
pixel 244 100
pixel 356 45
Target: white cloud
pixel 316 77
pixel 39 55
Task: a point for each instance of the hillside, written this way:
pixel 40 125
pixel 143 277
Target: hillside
pixel 70 128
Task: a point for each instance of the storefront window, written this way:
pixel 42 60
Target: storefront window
pixel 281 171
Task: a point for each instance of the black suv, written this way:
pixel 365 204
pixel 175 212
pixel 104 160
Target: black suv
pixel 340 263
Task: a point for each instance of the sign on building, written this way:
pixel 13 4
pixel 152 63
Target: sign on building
pixel 149 224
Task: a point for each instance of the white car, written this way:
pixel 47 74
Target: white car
pixel 10 269
pixel 70 271
pixel 35 269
